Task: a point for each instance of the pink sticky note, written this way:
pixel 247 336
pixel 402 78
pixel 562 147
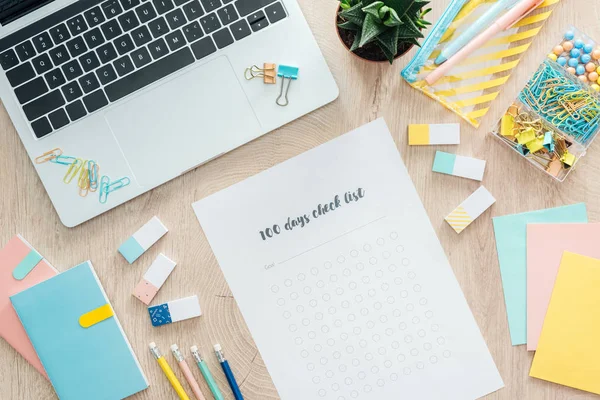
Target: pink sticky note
pixel 12 256
pixel 545 246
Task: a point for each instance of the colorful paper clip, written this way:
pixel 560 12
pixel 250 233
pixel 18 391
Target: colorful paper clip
pixel 63 160
pixel 286 73
pixel 48 156
pixel 83 182
pixel 267 73
pixel 74 169
pixel 93 170
pixel 107 187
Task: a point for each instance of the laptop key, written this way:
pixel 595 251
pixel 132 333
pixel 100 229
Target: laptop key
pixel 180 2
pixel 175 19
pixel 111 8
pixel 111 29
pixel 71 91
pixel 246 7
pixel 89 82
pixel 240 29
pixel 223 38
pixel 31 90
pixel 145 12
pixel 25 51
pixel 76 46
pixel 106 53
pixel 258 21
pixel 89 61
pixel 227 14
pixel 141 36
pixel 76 110
pixel 175 40
pixel 55 78
pixel 124 44
pixel 59 55
pixel 72 70
pixel 43 105
pixel 203 48
pixel 129 4
pixel 8 59
pixel 129 21
pixel 149 74
pixel 41 127
pixel 42 42
pixel 42 63
pixel 58 118
pixel 193 31
pixel 141 57
pixel 211 5
pixel 210 23
pixel 158 27
pixel 77 25
pixel 106 74
pixel 123 65
pixel 158 48
pixel 193 10
pixel 163 6
pixel 94 16
pixel 95 101
pixel 60 34
pixel 93 38
pixel 21 74
pixel 275 12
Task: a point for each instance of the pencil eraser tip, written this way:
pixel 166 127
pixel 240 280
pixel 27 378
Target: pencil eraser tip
pixel 152 345
pixel 174 347
pixel 217 347
pixel 194 349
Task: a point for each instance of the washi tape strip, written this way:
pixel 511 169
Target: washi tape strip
pixel 175 311
pixel 99 314
pixel 432 134
pixel 154 278
pixel 462 216
pixel 465 167
pixel 143 239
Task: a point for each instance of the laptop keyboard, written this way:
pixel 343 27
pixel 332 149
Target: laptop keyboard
pixel 94 52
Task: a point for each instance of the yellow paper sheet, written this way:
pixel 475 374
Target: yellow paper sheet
pixel 568 351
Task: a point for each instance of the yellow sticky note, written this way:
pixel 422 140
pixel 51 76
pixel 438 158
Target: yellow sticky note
pixel 568 352
pixel 418 134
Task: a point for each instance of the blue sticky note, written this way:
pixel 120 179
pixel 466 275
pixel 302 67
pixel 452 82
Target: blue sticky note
pixel 511 244
pixel 93 363
pixel 131 250
pixel 444 162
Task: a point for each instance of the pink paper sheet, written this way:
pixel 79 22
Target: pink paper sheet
pixel 11 329
pixel 545 246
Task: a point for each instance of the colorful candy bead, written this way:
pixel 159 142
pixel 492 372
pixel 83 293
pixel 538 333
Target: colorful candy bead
pixel 590 67
pixel 568 46
pixel 586 58
pixel 552 56
pixel 573 62
pixel 579 44
pixel 596 54
pixel 596 87
pixel 562 61
pixel 583 78
pixel 571 70
pixel 558 50
pixel 588 48
pixel 569 35
pixel 575 53
pixel 580 69
pixel 598 70
pixel 593 76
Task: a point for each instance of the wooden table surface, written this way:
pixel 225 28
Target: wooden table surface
pixel 367 91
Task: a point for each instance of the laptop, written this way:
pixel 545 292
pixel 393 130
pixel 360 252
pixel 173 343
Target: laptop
pixel 150 89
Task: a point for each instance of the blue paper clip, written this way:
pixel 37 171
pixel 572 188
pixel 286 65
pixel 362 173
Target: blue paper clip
pixel 118 184
pixel 93 169
pixel 107 187
pixel 103 195
pixel 63 160
pixel 286 73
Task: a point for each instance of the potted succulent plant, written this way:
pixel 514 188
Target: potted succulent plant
pixel 379 30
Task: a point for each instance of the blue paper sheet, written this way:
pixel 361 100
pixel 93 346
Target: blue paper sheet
pixel 511 244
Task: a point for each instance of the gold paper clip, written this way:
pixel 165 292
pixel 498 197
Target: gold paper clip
pixel 267 73
pixel 49 155
pixel 73 170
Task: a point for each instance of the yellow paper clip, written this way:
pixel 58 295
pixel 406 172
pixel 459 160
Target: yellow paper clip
pixel 49 155
pixel 267 73
pixel 84 181
pixel 73 170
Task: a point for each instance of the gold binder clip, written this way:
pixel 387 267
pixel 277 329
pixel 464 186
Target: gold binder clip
pixel 267 73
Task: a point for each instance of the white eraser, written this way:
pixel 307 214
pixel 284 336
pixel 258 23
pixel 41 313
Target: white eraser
pixel 465 167
pixel 175 311
pixel 462 216
pixel 143 239
pixel 154 278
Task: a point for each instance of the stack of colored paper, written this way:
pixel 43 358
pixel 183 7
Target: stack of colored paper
pixel 550 266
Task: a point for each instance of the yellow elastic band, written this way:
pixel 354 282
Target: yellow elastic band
pixel 547 3
pixel 476 100
pixel 487 71
pixel 478 113
pixel 497 55
pixel 533 19
pixel 474 87
pixel 98 315
pixel 514 38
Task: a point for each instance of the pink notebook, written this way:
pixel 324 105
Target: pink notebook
pixel 546 244
pixel 20 268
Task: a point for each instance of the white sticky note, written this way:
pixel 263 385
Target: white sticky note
pixel 175 311
pixel 462 216
pixel 154 278
pixel 465 167
pixel 150 233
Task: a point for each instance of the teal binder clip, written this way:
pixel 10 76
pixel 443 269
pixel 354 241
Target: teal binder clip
pixel 286 73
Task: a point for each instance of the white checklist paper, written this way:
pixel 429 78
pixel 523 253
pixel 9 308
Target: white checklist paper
pixel 342 281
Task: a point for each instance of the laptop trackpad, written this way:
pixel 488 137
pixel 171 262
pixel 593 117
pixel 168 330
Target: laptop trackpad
pixel 183 122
